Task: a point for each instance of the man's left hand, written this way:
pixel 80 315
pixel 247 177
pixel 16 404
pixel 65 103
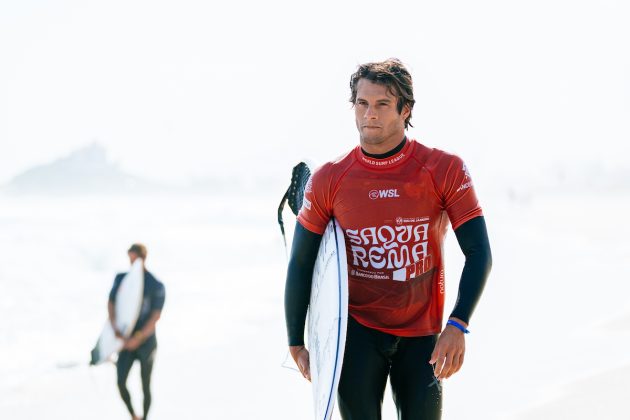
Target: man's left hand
pixel 448 355
pixel 132 343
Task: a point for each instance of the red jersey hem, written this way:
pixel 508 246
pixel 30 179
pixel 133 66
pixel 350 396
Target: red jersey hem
pixel 401 332
pixel 477 213
pixel 311 227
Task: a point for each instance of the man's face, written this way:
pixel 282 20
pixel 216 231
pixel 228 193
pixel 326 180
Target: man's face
pixel 132 257
pixel 380 125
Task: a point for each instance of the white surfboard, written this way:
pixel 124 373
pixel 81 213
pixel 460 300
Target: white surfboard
pixel 127 310
pixel 328 319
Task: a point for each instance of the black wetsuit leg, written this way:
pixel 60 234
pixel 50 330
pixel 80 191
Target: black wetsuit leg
pixel 364 373
pixel 370 356
pixel 123 366
pixel 416 392
pixel 146 355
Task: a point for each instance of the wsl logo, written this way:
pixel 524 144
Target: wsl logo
pixel 376 194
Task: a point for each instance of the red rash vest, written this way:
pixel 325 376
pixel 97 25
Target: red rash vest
pixel 394 213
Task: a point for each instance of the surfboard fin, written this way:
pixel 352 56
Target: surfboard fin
pixel 95 356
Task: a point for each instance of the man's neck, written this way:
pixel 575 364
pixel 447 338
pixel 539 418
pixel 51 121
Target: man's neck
pixel 387 153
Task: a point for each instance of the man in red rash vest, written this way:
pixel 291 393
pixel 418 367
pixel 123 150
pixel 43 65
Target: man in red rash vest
pixel 394 199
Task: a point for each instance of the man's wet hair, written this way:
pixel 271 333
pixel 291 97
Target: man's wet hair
pixel 139 249
pixel 391 73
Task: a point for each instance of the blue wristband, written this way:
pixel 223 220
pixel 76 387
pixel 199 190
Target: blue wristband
pixel 457 325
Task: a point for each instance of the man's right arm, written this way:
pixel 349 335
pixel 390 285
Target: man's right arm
pixel 297 292
pixel 111 303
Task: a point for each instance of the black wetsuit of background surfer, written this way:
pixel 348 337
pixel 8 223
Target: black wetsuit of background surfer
pixel 153 300
pixel 372 354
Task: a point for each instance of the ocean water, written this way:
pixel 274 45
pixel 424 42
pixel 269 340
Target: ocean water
pixel 551 318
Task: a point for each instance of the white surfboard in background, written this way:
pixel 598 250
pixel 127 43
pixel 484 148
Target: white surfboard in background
pixel 127 309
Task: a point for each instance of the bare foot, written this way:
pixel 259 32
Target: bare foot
pixel 136 418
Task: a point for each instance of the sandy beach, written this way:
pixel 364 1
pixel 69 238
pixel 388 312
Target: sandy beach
pixel 549 340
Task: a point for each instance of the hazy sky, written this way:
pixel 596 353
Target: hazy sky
pixel 193 88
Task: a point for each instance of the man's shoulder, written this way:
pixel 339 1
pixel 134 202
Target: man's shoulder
pixel 337 166
pixel 152 281
pixel 117 282
pixel 435 157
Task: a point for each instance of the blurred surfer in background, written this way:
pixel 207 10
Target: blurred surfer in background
pixel 142 344
pixel 394 199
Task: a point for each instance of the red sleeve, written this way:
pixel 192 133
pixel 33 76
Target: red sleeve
pixel 316 208
pixel 456 189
